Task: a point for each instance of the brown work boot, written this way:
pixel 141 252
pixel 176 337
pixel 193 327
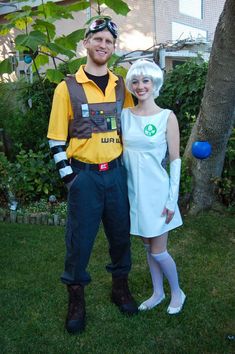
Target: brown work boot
pixel 75 321
pixel 121 296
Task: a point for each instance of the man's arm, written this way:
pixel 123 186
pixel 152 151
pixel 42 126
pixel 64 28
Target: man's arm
pixel 58 131
pixel 58 150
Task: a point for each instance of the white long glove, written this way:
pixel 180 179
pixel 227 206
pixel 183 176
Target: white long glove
pixel 175 167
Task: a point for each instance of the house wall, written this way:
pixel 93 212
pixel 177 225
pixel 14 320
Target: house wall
pixel 167 11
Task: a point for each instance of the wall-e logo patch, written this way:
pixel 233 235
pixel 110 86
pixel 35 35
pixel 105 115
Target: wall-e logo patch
pixel 150 130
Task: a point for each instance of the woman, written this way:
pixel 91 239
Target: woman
pixel 148 133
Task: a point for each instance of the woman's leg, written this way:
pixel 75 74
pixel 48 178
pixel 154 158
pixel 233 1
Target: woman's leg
pixel 167 264
pixel 157 280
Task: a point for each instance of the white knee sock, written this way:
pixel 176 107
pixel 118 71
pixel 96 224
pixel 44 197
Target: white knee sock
pixel 168 267
pixel 157 281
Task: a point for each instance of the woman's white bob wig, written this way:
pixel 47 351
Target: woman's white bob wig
pixel 148 69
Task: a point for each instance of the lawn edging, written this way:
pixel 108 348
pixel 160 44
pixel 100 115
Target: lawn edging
pixel 40 218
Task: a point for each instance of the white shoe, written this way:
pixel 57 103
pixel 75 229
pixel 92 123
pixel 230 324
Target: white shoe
pixel 175 310
pixel 144 307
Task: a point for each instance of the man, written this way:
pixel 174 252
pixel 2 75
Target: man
pixel 87 109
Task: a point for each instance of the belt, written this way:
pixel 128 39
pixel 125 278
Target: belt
pixel 104 166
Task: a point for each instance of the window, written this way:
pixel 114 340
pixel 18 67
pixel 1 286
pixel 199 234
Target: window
pixel 180 31
pixel 191 7
pixel 177 62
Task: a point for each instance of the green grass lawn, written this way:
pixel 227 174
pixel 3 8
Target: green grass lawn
pixel 34 302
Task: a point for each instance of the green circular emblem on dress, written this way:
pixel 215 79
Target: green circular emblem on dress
pixel 150 130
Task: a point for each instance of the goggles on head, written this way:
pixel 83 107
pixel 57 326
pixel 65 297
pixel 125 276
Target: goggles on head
pixel 100 24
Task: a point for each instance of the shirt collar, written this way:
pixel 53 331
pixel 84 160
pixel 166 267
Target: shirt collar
pixel 82 78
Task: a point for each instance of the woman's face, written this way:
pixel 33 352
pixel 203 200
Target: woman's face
pixel 142 87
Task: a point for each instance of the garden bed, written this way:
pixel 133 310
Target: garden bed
pixel 41 213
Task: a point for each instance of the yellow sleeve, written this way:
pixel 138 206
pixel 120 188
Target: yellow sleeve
pixel 61 113
pixel 128 99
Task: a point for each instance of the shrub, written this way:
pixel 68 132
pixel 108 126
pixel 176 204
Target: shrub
pixel 5 180
pixel 26 110
pixel 182 92
pixel 31 176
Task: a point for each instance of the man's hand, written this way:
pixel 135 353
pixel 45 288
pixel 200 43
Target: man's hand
pixel 69 184
pixel 169 215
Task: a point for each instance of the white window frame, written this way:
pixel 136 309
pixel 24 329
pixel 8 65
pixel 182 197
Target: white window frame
pixel 183 31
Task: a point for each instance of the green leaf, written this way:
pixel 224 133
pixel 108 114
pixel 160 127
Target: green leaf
pixel 5 29
pixel 118 6
pixel 55 76
pixel 60 50
pixel 41 60
pixel 71 41
pixel 45 26
pixel 45 190
pixel 26 8
pixel 17 15
pixel 83 5
pixel 32 40
pixel 54 11
pixel 20 19
pixel 76 36
pixel 120 70
pixel 75 64
pixel 112 60
pixel 6 66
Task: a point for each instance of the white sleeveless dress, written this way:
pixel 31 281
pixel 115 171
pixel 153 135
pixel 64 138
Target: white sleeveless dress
pixel 145 147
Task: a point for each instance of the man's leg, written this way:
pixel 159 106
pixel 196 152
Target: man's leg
pixel 85 205
pixel 117 228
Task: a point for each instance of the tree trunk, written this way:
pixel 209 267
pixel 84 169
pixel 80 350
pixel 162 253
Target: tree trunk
pixel 215 120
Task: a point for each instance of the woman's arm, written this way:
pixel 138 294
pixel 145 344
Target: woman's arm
pixel 173 137
pixel 173 142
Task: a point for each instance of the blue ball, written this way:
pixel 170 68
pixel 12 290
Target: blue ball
pixel 201 149
pixel 28 59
